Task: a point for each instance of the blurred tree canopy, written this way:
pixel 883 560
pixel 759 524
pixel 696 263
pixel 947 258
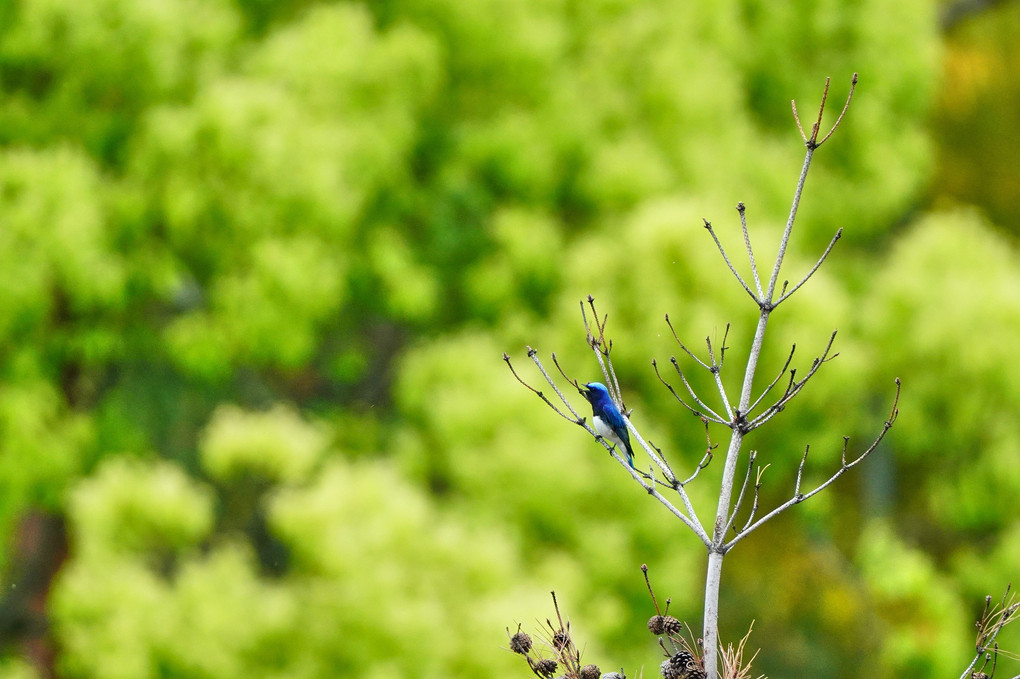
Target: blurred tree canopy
pixel 259 263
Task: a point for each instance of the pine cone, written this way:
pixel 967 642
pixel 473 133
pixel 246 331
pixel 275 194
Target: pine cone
pixel 685 665
pixel 663 624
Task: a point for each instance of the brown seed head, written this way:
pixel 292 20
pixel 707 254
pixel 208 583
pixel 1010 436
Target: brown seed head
pixel 520 643
pixel 686 665
pixel 664 624
pixel 544 668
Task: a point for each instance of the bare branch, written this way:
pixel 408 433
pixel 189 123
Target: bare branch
pixel 576 419
pixel 757 494
pixel 794 387
pixel 775 381
pixel 601 348
pixel 846 107
pixel 708 225
pixel 670 475
pixel 785 295
pixel 556 362
pixel 713 368
pixel 723 348
pixel 644 569
pixel 796 117
pixel 684 347
pixel 696 412
pixel 653 454
pixel 750 252
pixel 845 466
pixel 715 417
pixel 743 489
pixel 813 142
pixel 709 453
pixel 803 461
pixel 689 521
pixel 716 374
pixel 766 302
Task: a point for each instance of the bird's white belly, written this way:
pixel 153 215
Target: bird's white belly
pixel 606 432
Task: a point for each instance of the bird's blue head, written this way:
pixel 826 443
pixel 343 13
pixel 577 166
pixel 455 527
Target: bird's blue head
pixel 596 391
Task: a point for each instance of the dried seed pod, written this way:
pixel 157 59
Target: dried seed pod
pixel 664 624
pixel 544 668
pixel 520 643
pixel 590 672
pixel 685 665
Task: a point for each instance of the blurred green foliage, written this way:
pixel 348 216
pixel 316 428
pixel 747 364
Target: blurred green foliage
pixel 260 261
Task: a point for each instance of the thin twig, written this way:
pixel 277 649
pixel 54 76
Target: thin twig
pixel 723 348
pixel 714 415
pixel 708 225
pixel 659 462
pixel 532 354
pixel 774 382
pixel 766 302
pixel 670 475
pixel 684 346
pixel 818 123
pixel 741 209
pixel 709 454
pixel 601 348
pixel 785 295
pixel 665 466
pixel 556 362
pixel 757 496
pixel 644 570
pixel 695 411
pixel 716 374
pixel 743 489
pixel 796 117
pixel 846 107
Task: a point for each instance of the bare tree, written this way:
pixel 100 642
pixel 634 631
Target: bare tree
pixel 740 413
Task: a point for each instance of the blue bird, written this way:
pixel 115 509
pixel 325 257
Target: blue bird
pixel 606 418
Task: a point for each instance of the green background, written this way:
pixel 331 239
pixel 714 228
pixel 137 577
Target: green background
pixel 259 262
